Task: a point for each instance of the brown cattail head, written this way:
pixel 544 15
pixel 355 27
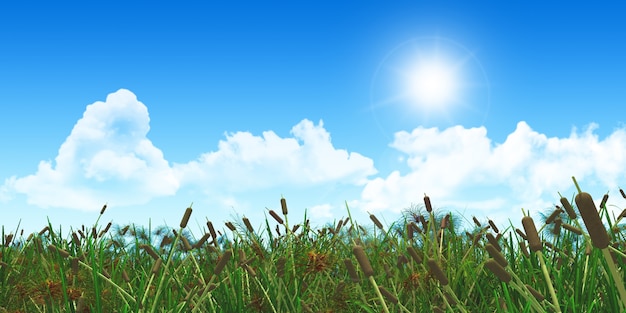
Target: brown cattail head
pixel 351 270
pixel 276 217
pixel 376 221
pixel 622 192
pixel 74 265
pixel 568 208
pixel 535 293
pixel 414 255
pixel 212 231
pixel 183 222
pixel 246 221
pixel 553 216
pixel 150 251
pixel 445 222
pixel 202 240
pixel 521 233
pixel 186 244
pixel 531 232
pixel 222 262
pixel 429 207
pixel 437 272
pixel 283 205
pixel 498 270
pixel 230 226
pixel 493 226
pixel 494 241
pixel 557 226
pixel 388 295
pixel 476 221
pixel 104 207
pixel 496 255
pixel 364 262
pixel 597 232
pixel 605 198
pixel 409 230
pixel 156 266
pixel 125 276
pixel 573 229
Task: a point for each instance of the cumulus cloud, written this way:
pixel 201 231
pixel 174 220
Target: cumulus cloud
pixel 527 169
pixel 106 158
pixel 245 162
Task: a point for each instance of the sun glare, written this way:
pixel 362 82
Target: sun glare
pixel 432 83
pixel 429 81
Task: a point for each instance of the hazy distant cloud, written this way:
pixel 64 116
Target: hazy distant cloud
pixel 245 162
pixel 528 166
pixel 106 158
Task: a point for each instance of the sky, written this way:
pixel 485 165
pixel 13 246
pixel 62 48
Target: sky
pixel 487 108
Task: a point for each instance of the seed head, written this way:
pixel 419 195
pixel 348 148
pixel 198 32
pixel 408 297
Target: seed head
pixel 283 205
pixel 366 267
pixel 531 233
pixel 183 222
pixel 498 270
pixel 429 207
pixel 436 270
pixel 597 232
pixel 568 208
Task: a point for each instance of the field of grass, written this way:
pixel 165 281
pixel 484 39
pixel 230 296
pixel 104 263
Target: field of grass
pixel 573 262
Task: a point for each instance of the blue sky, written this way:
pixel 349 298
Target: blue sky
pixel 151 107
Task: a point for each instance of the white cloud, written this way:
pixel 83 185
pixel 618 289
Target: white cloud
pixel 106 158
pixel 460 166
pixel 247 162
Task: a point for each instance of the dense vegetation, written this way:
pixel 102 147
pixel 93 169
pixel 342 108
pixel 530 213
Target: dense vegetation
pixel 422 263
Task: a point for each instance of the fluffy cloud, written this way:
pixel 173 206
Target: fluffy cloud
pixel 245 162
pixel 106 158
pixel 526 170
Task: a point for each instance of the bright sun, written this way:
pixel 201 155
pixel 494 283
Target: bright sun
pixel 432 83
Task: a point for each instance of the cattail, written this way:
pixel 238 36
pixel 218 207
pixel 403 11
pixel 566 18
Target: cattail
pixel 366 267
pixel 125 276
pixel 557 227
pixel 521 233
pixel 376 221
pixel 351 270
pixel 387 271
pixel 423 221
pixel 104 207
pixel 429 207
pixel 246 221
pixel 295 228
pixel 531 233
pixel 106 274
pixel 283 206
pixel 535 293
pixel 496 255
pixel 7 239
pixel 476 221
pixel 414 255
pixel 409 230
pixel 597 232
pixel 74 265
pixel 493 226
pixel 212 231
pixel 623 193
pixel 573 229
pixel 445 222
pixel 276 217
pixel 230 226
pixel 222 262
pixel 568 208
pixel 45 229
pixel 493 241
pixel 186 244
pixel 156 266
pixel 436 270
pixel 183 222
pixel 605 198
pixel 94 233
pixel 390 297
pixel 553 216
pixel 280 266
pixel 61 252
pixel 82 235
pixel 250 270
pixel 75 239
pixel 202 240
pixel 149 250
pixel 498 270
pixel 278 230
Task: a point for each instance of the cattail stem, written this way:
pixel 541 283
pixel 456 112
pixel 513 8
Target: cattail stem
pixel 546 275
pixel 616 277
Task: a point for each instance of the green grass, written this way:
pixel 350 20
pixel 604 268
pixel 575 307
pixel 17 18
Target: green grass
pixel 422 263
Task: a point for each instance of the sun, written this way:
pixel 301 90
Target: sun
pixel 429 82
pixel 432 83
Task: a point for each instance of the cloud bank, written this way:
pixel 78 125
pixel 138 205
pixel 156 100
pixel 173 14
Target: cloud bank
pixel 108 157
pixel 527 169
